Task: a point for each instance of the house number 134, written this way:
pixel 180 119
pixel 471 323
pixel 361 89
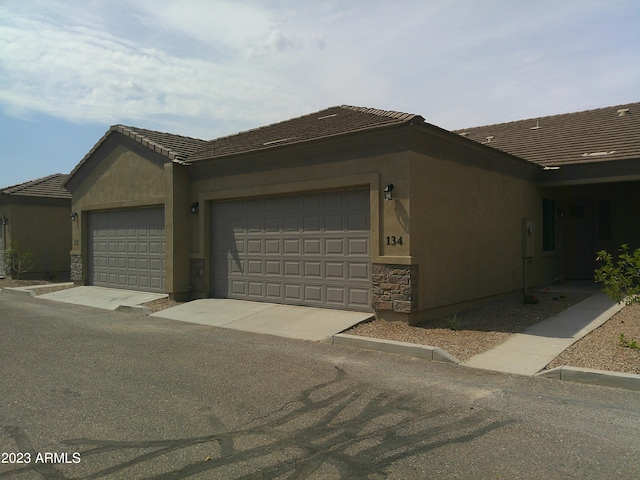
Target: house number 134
pixel 392 240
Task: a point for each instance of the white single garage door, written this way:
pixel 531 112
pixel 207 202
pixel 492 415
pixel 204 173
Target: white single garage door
pixel 126 249
pixel 310 249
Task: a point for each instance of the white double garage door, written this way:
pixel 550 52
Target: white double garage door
pixel 307 249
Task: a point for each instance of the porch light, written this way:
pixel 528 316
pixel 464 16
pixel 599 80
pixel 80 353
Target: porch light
pixel 74 216
pixel 194 208
pixel 387 191
pixel 5 220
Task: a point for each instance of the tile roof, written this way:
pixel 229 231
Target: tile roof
pixel 175 147
pixel 50 186
pixel 604 134
pixel 325 123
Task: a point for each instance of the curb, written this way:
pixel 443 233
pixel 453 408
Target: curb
pixel 391 346
pixel 135 309
pixel 18 291
pixel 628 381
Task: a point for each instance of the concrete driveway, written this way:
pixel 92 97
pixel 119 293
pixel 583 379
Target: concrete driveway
pixel 306 323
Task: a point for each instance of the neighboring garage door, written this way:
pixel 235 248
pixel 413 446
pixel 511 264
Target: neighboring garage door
pixel 311 249
pixel 126 249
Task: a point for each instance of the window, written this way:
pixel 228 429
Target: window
pixel 548 225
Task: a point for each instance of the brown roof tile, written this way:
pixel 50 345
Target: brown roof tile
pixel 604 134
pixel 325 123
pixel 175 147
pixel 50 187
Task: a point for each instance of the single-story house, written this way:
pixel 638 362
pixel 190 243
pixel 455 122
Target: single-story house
pixel 35 215
pixel 357 208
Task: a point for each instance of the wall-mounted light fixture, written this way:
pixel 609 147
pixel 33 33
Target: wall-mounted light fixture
pixel 387 191
pixel 74 216
pixel 5 220
pixel 194 207
pixel 560 213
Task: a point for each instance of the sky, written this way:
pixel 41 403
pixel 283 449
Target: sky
pixel 208 68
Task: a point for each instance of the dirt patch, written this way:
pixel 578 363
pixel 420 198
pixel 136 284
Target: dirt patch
pixel 161 304
pixel 602 348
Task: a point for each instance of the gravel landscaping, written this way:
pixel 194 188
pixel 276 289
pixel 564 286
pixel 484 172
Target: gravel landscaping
pixel 475 330
pixel 478 329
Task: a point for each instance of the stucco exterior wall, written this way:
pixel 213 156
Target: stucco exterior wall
pixel 44 231
pixel 121 179
pixel 467 232
pixel 374 172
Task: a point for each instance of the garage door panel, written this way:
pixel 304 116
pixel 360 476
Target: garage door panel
pixel 291 247
pixel 292 269
pixel 336 296
pixel 273 267
pixel 334 246
pixel 359 296
pixel 310 249
pixel 313 269
pixel 358 246
pixel 274 291
pixel 313 293
pixel 359 271
pixel 312 246
pixel 293 292
pixel 126 248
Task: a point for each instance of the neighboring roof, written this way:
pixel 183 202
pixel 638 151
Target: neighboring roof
pixel 325 123
pixel 49 187
pixel 174 147
pixel 604 134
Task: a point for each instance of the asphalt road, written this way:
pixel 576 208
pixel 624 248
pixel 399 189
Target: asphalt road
pixel 87 393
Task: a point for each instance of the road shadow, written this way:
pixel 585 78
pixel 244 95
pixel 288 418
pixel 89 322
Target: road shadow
pixel 335 429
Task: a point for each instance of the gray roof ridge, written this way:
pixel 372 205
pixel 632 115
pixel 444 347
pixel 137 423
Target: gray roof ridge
pixel 591 110
pixel 12 189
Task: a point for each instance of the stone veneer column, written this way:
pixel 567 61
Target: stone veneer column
pixel 76 268
pixel 395 288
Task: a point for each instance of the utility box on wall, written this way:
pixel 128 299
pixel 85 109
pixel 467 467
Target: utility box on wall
pixel 528 235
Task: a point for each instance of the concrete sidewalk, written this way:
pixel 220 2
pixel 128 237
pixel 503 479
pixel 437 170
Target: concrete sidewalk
pixel 305 323
pixel 529 352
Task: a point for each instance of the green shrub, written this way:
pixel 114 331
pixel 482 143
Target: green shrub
pixel 620 278
pixel 18 261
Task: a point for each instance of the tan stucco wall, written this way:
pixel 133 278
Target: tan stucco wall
pixel 466 232
pixel 123 179
pixel 460 225
pixel 374 172
pixel 44 231
pixel 177 221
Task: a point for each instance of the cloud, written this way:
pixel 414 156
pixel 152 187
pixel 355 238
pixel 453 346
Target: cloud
pixel 215 67
pixel 319 40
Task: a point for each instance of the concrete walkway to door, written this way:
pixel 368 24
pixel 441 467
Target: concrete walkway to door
pixel 306 323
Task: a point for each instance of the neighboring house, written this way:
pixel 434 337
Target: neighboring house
pixel 35 215
pixel 590 182
pixel 356 208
